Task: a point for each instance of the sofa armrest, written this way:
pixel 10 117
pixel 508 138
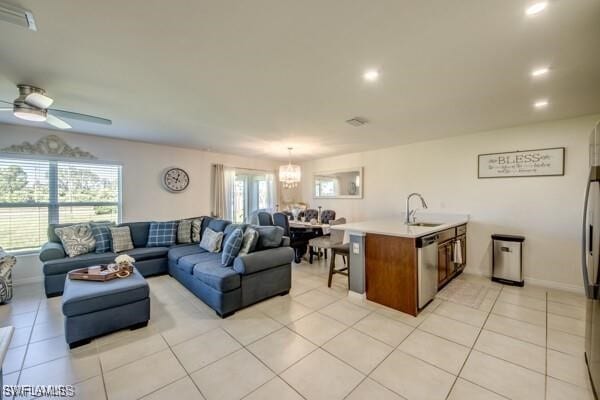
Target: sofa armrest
pixel 52 251
pixel 262 260
pixel 285 241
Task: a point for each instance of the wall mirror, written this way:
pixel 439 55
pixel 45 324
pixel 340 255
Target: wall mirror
pixel 339 184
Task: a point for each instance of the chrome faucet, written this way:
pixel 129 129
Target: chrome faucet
pixel 411 213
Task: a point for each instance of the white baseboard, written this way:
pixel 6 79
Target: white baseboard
pixel 27 281
pixel 542 282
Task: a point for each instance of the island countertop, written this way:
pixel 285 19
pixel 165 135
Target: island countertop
pixel 395 226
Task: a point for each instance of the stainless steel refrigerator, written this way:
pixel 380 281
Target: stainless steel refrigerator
pixel 590 261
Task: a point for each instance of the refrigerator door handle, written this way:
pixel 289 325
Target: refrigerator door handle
pixel 584 245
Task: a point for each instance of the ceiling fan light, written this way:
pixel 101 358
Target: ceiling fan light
pixel 30 114
pixel 38 100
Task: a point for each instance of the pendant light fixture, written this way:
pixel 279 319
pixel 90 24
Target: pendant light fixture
pixel 290 174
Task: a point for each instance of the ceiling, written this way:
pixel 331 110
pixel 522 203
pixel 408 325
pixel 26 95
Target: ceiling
pixel 254 77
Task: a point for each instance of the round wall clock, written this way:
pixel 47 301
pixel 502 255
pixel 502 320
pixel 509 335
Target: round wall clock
pixel 176 180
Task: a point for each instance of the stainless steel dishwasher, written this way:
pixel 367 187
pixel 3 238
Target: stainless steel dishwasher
pixel 427 268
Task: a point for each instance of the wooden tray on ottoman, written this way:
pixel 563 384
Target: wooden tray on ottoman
pixel 103 275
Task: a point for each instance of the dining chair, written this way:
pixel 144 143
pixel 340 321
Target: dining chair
pixel 264 218
pixel 311 214
pixel 326 242
pixel 327 215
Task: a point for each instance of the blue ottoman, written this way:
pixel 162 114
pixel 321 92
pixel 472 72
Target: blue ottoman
pixel 92 309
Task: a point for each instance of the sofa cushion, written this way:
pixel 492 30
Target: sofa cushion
pixel 148 253
pixel 76 239
pixel 184 231
pixel 139 232
pixel 216 276
pixel 178 251
pixel 218 225
pixel 121 239
pixel 211 241
pixel 187 263
pixel 101 233
pixel 63 265
pixel 162 234
pixel 268 236
pixel 232 246
pixel 87 297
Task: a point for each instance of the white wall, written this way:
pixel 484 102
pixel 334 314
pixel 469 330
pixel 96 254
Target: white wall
pixel 143 196
pixel 546 210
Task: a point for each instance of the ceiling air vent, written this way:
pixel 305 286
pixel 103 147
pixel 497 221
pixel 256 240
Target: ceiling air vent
pixel 357 121
pixel 17 16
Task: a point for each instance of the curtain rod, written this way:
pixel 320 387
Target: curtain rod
pixel 249 169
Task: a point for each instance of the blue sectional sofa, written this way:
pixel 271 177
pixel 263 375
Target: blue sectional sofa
pixel 263 273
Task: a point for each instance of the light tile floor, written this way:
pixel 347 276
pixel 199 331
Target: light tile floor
pixel 316 343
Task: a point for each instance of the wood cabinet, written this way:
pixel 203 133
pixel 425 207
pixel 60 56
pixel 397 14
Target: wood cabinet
pixel 447 268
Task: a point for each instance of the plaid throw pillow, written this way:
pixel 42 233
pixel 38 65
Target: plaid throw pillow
pixel 101 232
pixel 162 234
pixel 121 238
pixel 232 247
pixel 184 231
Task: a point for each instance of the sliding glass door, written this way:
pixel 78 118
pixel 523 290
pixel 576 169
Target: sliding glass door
pixel 252 191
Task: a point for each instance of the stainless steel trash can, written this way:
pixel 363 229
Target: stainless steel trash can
pixel 507 259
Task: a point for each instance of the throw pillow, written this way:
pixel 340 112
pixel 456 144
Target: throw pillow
pixel 7 262
pixel 232 246
pixel 197 229
pixel 162 234
pixel 249 241
pixel 76 239
pixel 101 232
pixel 269 236
pixel 184 231
pixel 121 239
pixel 211 240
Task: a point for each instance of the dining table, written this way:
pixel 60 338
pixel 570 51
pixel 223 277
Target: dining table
pixel 307 226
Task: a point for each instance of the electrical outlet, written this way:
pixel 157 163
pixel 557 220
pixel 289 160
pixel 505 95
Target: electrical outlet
pixel 355 248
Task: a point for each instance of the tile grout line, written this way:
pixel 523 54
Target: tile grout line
pixel 473 346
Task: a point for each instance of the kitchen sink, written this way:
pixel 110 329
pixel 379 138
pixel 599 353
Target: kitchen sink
pixel 425 224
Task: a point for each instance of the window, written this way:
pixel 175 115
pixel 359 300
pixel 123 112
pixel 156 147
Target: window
pixel 248 191
pixel 35 193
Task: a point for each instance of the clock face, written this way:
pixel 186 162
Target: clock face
pixel 176 179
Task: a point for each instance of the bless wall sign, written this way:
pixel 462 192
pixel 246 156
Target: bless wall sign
pixel 542 162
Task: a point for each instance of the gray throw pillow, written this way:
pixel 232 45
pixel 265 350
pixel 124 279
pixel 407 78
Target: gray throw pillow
pixel 121 239
pixel 76 239
pixel 184 231
pixel 197 229
pixel 249 241
pixel 211 240
pixel 269 236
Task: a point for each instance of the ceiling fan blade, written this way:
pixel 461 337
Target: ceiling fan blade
pixel 57 122
pixel 38 100
pixel 5 109
pixel 6 102
pixel 80 117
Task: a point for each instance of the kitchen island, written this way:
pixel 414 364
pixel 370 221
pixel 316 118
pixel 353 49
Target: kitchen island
pixel 387 258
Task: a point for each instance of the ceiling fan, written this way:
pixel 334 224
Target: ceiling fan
pixel 33 105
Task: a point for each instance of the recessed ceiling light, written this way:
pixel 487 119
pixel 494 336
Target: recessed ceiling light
pixel 371 75
pixel 536 8
pixel 540 71
pixel 541 104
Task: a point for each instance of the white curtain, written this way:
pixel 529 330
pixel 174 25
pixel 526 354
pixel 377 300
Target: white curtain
pixel 218 191
pixel 271 191
pixel 230 198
